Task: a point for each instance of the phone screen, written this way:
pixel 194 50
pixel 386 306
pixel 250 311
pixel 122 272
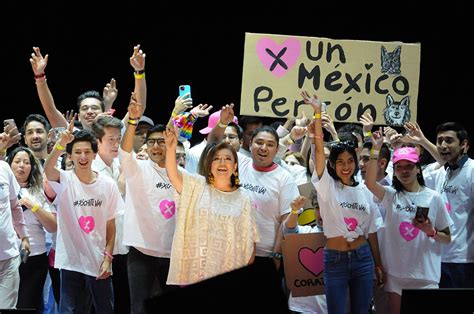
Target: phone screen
pixel 421 213
pixel 185 89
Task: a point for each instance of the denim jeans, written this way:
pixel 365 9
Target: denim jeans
pixel 353 270
pixel 457 275
pixel 76 288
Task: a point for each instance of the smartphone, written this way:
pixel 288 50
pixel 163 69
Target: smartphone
pixel 12 124
pixel 24 254
pixel 185 89
pixel 421 213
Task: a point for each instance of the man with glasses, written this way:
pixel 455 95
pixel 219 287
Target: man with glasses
pixel 149 212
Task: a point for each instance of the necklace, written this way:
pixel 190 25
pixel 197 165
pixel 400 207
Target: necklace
pixel 416 196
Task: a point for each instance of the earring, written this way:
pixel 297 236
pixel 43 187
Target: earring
pixel 210 178
pixel 236 178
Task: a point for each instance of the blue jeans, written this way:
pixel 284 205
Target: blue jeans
pixel 457 275
pixel 348 269
pixel 76 288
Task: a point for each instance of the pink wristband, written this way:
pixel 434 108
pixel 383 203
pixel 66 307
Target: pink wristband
pixel 107 254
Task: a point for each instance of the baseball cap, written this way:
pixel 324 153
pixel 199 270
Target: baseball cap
pixel 212 122
pixel 145 119
pixel 405 153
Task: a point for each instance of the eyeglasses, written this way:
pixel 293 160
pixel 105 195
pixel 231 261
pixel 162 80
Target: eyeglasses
pixel 152 141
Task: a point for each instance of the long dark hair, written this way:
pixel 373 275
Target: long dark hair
pixel 35 178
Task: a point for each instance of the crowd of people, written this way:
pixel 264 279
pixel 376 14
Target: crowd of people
pixel 116 212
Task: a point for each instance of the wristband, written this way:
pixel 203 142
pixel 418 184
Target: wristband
pixel 435 232
pixel 139 74
pixel 317 116
pixel 290 140
pixel 375 152
pixel 368 134
pixel 59 147
pixel 41 75
pixel 319 136
pixel 276 255
pixel 133 121
pixel 295 211
pixel 221 125
pixel 107 254
pixel 35 207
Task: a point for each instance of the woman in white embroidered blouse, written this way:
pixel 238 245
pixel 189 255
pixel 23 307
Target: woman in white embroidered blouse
pixel 216 228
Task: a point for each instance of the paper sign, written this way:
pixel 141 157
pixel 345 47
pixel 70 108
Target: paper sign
pixel 351 77
pixel 304 264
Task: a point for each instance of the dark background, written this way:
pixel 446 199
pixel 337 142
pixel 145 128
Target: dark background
pixel 202 46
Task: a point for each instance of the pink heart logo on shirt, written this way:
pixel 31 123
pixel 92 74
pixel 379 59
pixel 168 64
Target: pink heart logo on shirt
pixel 278 59
pixel 408 231
pixel 351 223
pixel 448 207
pixel 167 208
pixel 311 260
pixel 87 223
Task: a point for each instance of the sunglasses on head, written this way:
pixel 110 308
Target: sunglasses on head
pixel 343 145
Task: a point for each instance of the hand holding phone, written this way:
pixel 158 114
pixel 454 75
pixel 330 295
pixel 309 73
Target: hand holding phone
pixel 421 214
pixel 185 89
pixel 10 127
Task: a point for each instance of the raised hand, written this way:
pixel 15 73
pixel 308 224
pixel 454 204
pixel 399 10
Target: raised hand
pixel 135 109
pixel 182 103
pixel 303 121
pixel 201 110
pixel 110 93
pixel 414 133
pixel 227 114
pixel 171 139
pixel 312 101
pixel 298 202
pixel 67 136
pixel 38 63
pixel 137 60
pixel 68 115
pixel 377 139
pixel 367 122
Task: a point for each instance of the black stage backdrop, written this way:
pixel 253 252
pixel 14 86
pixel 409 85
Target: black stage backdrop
pixel 88 44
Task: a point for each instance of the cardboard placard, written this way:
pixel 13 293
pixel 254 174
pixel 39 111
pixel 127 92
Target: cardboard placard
pixel 303 257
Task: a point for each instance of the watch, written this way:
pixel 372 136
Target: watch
pixel 276 255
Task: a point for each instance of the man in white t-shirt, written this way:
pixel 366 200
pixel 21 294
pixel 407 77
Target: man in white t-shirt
pixel 87 204
pixel 12 223
pixel 150 212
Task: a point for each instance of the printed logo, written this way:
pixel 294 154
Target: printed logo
pixel 351 223
pixel 167 208
pixel 408 231
pixel 87 223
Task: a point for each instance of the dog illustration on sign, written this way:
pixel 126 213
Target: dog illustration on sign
pixel 397 112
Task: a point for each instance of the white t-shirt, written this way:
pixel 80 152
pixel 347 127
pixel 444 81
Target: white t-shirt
pixel 215 232
pixel 347 211
pixel 36 231
pixel 9 189
pixel 83 213
pixel 271 193
pixel 193 155
pixel 408 251
pixel 457 192
pixel 112 172
pixel 150 208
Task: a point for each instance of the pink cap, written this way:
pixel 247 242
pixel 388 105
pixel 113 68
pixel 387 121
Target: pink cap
pixel 212 122
pixel 405 153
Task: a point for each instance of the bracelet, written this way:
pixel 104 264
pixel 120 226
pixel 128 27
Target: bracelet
pixel 107 254
pixel 276 255
pixel 295 211
pixel 375 152
pixel 368 134
pixel 41 75
pixel 317 116
pixel 319 136
pixel 434 233
pixel 59 147
pixel 35 207
pixel 290 140
pixel 133 121
pixel 139 76
pixel 221 125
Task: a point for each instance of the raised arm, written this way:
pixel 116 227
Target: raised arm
pixel 175 176
pixel 291 221
pixel 135 111
pixel 109 94
pixel 66 137
pixel 320 162
pixel 137 61
pixel 181 104
pixel 226 117
pixel 38 64
pixel 415 135
pixel 371 175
